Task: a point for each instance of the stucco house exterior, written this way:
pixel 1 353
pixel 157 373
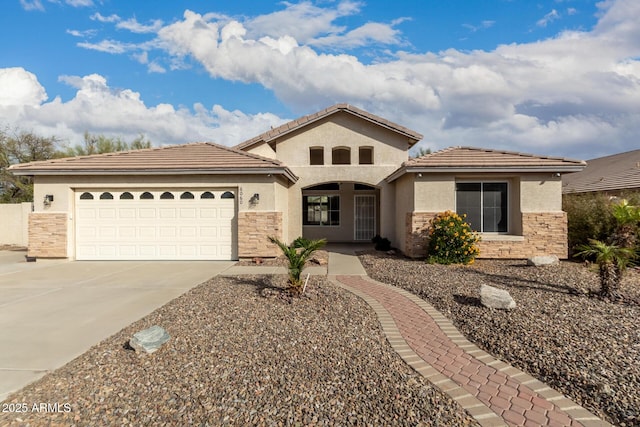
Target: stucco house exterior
pixel 342 174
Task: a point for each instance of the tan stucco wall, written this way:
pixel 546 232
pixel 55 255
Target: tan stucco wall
pixel 541 193
pixel 342 130
pixel 263 149
pixel 14 221
pixel 405 204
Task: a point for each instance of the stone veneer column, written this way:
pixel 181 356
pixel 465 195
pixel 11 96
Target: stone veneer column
pixel 47 235
pixel 254 229
pixel 417 233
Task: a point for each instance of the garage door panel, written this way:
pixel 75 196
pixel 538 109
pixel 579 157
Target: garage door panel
pixel 153 228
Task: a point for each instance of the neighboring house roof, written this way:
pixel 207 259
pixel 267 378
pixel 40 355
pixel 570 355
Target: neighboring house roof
pixel 194 158
pixel 610 173
pixel 471 159
pixel 296 124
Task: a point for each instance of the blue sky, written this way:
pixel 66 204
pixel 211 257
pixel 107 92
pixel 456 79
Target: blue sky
pixel 557 77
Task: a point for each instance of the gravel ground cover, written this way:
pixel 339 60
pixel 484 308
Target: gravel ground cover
pixel 583 346
pixel 244 353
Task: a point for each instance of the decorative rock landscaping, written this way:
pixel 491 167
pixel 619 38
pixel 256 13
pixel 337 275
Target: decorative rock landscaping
pixel 583 346
pixel 237 357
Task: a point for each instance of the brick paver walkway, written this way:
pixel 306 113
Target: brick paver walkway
pixel 493 392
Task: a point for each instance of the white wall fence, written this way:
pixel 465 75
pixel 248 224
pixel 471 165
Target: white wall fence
pixel 14 223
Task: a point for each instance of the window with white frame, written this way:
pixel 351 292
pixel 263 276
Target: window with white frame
pixel 485 204
pixel 321 210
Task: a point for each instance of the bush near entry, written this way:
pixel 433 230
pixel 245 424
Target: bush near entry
pixel 451 240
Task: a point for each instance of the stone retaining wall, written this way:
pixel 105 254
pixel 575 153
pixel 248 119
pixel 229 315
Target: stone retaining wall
pixel 47 235
pixel 254 229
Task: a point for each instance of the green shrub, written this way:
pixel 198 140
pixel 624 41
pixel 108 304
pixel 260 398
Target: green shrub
pixel 451 240
pixel 381 243
pixel 589 217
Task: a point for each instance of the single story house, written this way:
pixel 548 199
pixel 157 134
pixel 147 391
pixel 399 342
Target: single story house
pixel 610 174
pixel 342 174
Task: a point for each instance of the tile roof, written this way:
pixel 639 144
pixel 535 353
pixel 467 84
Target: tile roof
pixel 616 172
pixel 198 157
pixel 296 124
pixel 472 159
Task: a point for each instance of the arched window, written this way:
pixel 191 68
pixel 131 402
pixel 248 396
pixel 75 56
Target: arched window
pixel 146 196
pixel 186 195
pixel 207 195
pixel 106 196
pixel 86 196
pixel 227 195
pixel 341 156
pixel 126 196
pixel 166 196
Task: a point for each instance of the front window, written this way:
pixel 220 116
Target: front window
pixel 321 210
pixel 485 204
pixel 316 156
pixel 341 156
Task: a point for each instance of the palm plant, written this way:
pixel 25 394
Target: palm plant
pixel 297 254
pixel 612 261
pixel 627 219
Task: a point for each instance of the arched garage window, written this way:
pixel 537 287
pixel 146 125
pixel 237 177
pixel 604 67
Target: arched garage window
pixel 86 196
pixel 186 195
pixel 207 195
pixel 166 196
pixel 106 196
pixel 146 196
pixel 126 196
pixel 227 195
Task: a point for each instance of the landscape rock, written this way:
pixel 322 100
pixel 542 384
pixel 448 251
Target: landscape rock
pixel 541 260
pixel 149 340
pixel 496 298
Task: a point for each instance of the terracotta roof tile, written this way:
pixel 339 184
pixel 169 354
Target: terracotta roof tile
pixel 469 159
pixel 193 158
pixel 310 118
pixel 610 173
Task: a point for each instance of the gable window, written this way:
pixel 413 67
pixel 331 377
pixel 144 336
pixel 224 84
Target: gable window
pixel 316 156
pixel 321 210
pixel 365 155
pixel 485 204
pixel 341 156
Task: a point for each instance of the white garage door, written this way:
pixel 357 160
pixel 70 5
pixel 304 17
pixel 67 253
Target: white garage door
pixel 183 224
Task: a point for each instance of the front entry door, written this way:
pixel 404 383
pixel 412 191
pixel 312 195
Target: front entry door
pixel 364 217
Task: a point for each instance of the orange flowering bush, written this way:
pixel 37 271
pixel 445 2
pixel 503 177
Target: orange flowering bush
pixel 451 240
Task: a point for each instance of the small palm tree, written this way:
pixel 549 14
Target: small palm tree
pixel 612 261
pixel 627 219
pixel 297 254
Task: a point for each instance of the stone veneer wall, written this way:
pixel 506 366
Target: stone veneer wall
pixel 254 229
pixel 543 233
pixel 47 235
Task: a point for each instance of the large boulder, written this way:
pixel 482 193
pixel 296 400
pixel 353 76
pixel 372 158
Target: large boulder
pixel 496 298
pixel 149 340
pixel 541 260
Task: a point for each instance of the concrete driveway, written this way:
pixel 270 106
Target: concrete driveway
pixel 52 311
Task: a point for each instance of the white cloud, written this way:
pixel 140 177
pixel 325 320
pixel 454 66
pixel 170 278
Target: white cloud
pixel 100 18
pixel 32 5
pixel 85 33
pixel 135 27
pixel 20 88
pixel 79 3
pixel 100 109
pixel 109 46
pixel 549 17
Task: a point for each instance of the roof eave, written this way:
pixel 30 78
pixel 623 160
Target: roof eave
pixel 482 169
pixel 191 171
